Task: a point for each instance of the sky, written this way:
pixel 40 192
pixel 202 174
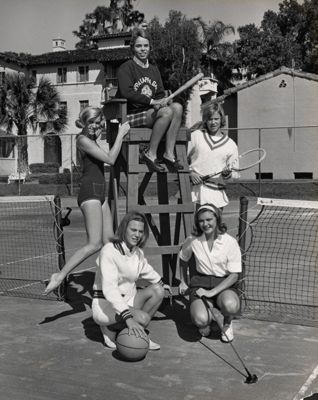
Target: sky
pixel 30 25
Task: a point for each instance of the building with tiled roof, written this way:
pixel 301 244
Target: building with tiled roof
pixel 80 77
pixel 277 111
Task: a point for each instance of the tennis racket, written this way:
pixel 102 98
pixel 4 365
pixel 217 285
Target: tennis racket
pixel 247 160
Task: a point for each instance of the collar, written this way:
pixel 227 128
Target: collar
pixel 212 143
pixel 214 138
pixel 141 64
pixel 202 238
pixel 126 249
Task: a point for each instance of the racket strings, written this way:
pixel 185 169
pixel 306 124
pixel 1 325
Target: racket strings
pixel 251 158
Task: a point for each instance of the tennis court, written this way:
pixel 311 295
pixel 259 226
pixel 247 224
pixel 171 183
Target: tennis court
pixel 53 350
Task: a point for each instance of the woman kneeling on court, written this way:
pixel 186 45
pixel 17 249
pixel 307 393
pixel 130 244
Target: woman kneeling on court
pixel 218 264
pixel 117 302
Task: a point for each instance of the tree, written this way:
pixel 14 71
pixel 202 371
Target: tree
pixel 119 16
pixel 287 38
pixel 216 50
pixel 311 36
pixel 176 50
pixel 24 106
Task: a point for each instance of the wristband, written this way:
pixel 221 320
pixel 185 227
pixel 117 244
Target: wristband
pixel 126 314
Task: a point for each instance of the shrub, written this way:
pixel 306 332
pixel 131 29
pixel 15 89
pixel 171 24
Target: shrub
pixel 49 167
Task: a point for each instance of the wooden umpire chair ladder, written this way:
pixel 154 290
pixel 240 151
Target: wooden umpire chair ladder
pixel 138 177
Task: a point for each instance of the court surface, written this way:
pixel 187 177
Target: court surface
pixel 53 350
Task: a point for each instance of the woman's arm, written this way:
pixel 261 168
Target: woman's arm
pixel 90 146
pixel 108 264
pixel 183 287
pixel 225 284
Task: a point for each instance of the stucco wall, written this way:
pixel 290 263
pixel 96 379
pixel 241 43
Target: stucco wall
pixel 266 105
pixel 73 92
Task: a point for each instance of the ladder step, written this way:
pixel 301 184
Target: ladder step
pixel 160 250
pixel 143 168
pixel 143 135
pixel 162 208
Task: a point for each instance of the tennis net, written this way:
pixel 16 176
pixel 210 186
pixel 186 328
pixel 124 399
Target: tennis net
pixel 279 243
pixel 31 245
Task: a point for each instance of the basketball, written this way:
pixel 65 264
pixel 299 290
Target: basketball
pixel 131 347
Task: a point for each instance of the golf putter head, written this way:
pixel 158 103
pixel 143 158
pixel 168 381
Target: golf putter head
pixel 251 379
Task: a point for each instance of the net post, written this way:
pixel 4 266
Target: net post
pixel 242 238
pixel 60 242
pixel 259 165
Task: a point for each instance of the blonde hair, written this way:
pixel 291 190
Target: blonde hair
pixel 86 115
pixel 207 113
pixel 210 110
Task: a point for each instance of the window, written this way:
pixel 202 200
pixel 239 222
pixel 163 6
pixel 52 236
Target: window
pixel 83 104
pixel 264 175
pixel 7 144
pixel 83 73
pixel 303 175
pixel 33 75
pixel 61 75
pixel 63 105
pixel 2 77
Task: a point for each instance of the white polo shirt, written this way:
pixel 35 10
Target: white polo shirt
pixel 223 259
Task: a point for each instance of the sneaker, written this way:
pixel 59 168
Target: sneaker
pixel 153 346
pixel 109 337
pixel 227 334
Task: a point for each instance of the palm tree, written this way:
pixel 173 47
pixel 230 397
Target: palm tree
pixel 24 106
pixel 212 38
pixel 217 49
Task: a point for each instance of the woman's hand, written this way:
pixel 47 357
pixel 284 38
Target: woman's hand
pixel 157 104
pixel 123 129
pixel 203 292
pixel 168 287
pixel 134 328
pixel 183 288
pixel 195 178
pixel 226 173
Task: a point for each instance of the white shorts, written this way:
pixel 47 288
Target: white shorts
pixel 103 311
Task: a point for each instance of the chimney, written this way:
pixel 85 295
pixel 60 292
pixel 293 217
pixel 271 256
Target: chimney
pixel 58 44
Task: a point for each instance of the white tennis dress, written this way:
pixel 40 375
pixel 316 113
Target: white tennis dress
pixel 209 156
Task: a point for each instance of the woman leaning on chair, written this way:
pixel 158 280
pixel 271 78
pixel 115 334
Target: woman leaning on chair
pixel 91 198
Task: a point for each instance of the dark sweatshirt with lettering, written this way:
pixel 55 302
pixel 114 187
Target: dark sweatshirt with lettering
pixel 139 85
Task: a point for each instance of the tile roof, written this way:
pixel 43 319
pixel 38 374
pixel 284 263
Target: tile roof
pixel 261 78
pixel 67 56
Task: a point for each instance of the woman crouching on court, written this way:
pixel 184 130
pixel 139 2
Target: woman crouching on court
pixel 91 198
pixel 218 264
pixel 117 302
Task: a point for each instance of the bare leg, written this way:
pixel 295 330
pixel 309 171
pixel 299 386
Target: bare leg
pixel 173 130
pixel 159 128
pixel 107 223
pixel 149 299
pixel 201 317
pixel 93 219
pixel 229 304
